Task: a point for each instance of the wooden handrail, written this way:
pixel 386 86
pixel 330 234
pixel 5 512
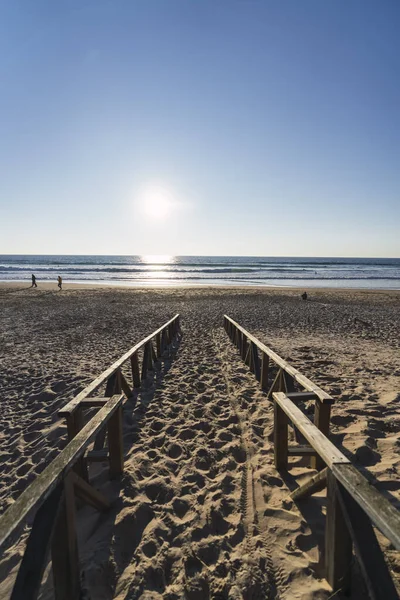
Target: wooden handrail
pixel 323 396
pixel 41 488
pixel 324 447
pixel 354 506
pixel 92 387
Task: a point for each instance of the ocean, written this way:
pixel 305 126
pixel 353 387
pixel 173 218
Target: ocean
pixel 369 273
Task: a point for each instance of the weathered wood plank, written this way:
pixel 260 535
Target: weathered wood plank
pixel 301 379
pixel 31 570
pixel 381 512
pixel 111 370
pixel 324 447
pixel 43 485
pixel 158 345
pixel 368 551
pixel 315 484
pixel 97 455
pixel 338 543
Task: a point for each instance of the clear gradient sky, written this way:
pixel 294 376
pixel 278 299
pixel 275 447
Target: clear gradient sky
pixel 224 127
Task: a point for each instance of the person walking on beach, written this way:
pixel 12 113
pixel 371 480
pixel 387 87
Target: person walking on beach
pixel 304 296
pixel 59 279
pixel 34 284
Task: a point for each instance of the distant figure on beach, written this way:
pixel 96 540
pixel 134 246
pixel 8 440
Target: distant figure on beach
pixel 34 284
pixel 304 296
pixel 59 279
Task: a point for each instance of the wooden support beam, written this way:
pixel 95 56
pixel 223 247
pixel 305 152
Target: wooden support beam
pixel 264 371
pixel 325 449
pixel 135 370
pixel 87 493
pixel 338 543
pixel 322 417
pixel 280 438
pixel 287 383
pixel 64 548
pixel 33 564
pixel 368 551
pixel 315 484
pixel 115 444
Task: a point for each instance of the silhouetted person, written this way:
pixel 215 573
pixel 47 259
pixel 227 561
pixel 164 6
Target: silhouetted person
pixel 59 279
pixel 34 284
pixel 304 296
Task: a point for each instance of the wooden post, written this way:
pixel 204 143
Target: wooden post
pixel 135 370
pixel 34 560
pixel 115 444
pixel 256 361
pixel 145 362
pixel 321 420
pixel 158 344
pixel 338 543
pixel 264 371
pixel 244 346
pixel 280 438
pixel 64 549
pixel 80 466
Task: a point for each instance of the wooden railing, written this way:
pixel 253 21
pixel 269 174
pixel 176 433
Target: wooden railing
pixel 259 357
pixel 354 505
pixel 52 496
pixel 115 382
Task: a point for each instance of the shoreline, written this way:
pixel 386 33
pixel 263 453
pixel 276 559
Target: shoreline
pixel 69 286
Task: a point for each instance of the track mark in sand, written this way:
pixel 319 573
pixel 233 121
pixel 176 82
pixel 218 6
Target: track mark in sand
pixel 252 497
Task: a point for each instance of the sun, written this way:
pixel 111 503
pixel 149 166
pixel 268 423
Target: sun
pixel 156 202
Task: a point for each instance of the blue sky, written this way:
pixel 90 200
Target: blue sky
pixel 224 127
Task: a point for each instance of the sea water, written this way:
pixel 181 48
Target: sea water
pixel 371 273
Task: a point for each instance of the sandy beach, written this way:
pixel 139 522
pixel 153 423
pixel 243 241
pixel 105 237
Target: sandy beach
pixel 183 520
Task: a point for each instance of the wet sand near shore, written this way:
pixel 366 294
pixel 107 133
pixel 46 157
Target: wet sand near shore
pixel 200 511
